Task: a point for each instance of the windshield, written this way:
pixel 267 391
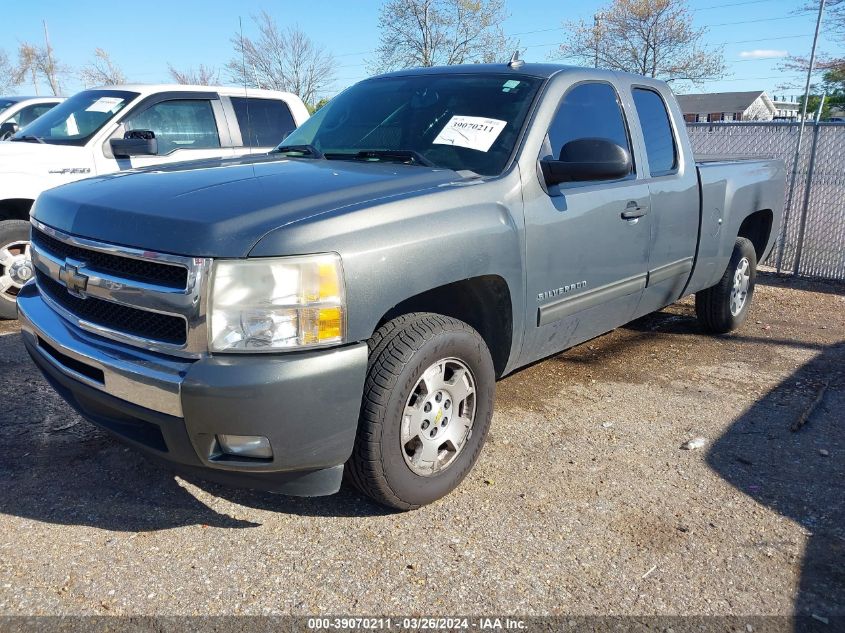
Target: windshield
pixel 454 121
pixel 76 120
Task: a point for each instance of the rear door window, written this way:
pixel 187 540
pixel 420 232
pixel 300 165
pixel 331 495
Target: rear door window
pixel 657 131
pixel 263 122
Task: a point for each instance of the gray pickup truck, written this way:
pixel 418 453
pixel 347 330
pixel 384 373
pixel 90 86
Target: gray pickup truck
pixel 346 303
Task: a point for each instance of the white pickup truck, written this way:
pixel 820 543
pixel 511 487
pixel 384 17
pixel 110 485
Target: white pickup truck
pixel 113 129
pixel 17 112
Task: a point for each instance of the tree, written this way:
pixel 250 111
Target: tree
pixel 281 60
pixel 440 32
pixel 655 38
pixel 102 71
pixel 39 62
pixel 202 76
pixel 313 108
pixel 834 24
pixel 9 77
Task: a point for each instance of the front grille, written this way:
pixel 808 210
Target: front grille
pixel 142 323
pixel 171 276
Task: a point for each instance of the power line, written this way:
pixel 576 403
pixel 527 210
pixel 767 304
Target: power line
pixel 756 59
pixel 713 81
pixel 770 39
pixel 754 41
pixel 733 4
pixel 717 6
pixel 784 17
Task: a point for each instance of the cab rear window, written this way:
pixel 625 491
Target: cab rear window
pixel 263 122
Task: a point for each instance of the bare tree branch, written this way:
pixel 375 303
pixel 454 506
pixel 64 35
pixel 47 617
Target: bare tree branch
pixel 440 32
pixel 279 59
pixel 9 76
pixel 201 76
pixel 834 25
pixel 101 71
pixel 38 62
pixel 655 38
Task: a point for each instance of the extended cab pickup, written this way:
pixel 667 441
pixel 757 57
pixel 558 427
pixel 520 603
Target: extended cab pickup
pixel 347 301
pixel 106 130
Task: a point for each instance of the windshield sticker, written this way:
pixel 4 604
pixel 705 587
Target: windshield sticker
pixel 104 104
pixel 473 132
pixel 509 85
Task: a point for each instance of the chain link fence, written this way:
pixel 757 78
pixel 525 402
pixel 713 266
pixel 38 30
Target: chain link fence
pixel 812 238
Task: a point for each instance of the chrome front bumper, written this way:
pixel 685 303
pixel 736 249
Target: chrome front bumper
pixel 147 379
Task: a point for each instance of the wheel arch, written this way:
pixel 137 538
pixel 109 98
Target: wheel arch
pixel 757 227
pixel 483 302
pixel 15 209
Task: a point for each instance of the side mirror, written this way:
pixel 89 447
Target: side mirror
pixel 8 130
pixel 587 159
pixel 135 143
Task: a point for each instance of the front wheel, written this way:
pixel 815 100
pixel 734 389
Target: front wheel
pixel 428 401
pixel 724 307
pixel 15 265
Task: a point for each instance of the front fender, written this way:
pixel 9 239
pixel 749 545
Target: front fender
pixel 20 186
pixel 410 244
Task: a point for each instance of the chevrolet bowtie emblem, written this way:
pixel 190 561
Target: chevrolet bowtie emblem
pixel 75 281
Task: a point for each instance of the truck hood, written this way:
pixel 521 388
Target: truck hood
pixel 40 158
pixel 222 207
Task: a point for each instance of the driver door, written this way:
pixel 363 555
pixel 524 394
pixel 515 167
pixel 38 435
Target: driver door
pixel 586 263
pixel 187 128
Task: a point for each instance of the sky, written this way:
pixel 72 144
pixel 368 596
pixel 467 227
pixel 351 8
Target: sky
pixel 143 37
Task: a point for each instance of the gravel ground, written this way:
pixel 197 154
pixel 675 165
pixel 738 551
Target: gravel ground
pixel 582 502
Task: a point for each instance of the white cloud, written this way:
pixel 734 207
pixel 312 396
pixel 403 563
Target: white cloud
pixel 761 53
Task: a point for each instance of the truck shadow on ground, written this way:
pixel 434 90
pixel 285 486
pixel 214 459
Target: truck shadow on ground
pixel 798 474
pixel 58 468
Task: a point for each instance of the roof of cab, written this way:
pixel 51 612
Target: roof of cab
pixel 149 89
pixel 534 70
pixel 19 98
pixel 542 71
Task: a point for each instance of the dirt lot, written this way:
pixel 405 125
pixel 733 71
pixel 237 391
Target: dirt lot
pixel 583 501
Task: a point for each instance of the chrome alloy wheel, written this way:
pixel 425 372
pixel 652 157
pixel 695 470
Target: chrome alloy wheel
pixel 438 417
pixel 15 269
pixel 739 292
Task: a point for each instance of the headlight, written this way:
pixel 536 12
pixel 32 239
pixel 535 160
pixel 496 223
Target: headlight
pixel 276 303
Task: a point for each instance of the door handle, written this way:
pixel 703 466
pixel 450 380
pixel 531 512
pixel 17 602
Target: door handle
pixel 634 210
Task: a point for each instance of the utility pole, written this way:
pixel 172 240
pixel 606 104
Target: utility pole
pixel 797 158
pixel 51 68
pixel 597 36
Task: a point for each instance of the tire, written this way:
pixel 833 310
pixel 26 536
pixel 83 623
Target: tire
pixel 723 307
pixel 390 460
pixel 14 249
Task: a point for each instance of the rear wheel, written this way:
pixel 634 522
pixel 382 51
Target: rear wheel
pixel 15 265
pixel 724 307
pixel 427 405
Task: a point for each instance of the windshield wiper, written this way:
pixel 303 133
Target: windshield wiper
pixel 406 156
pixel 29 138
pixel 302 150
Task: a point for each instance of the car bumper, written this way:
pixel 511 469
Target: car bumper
pixel 305 403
